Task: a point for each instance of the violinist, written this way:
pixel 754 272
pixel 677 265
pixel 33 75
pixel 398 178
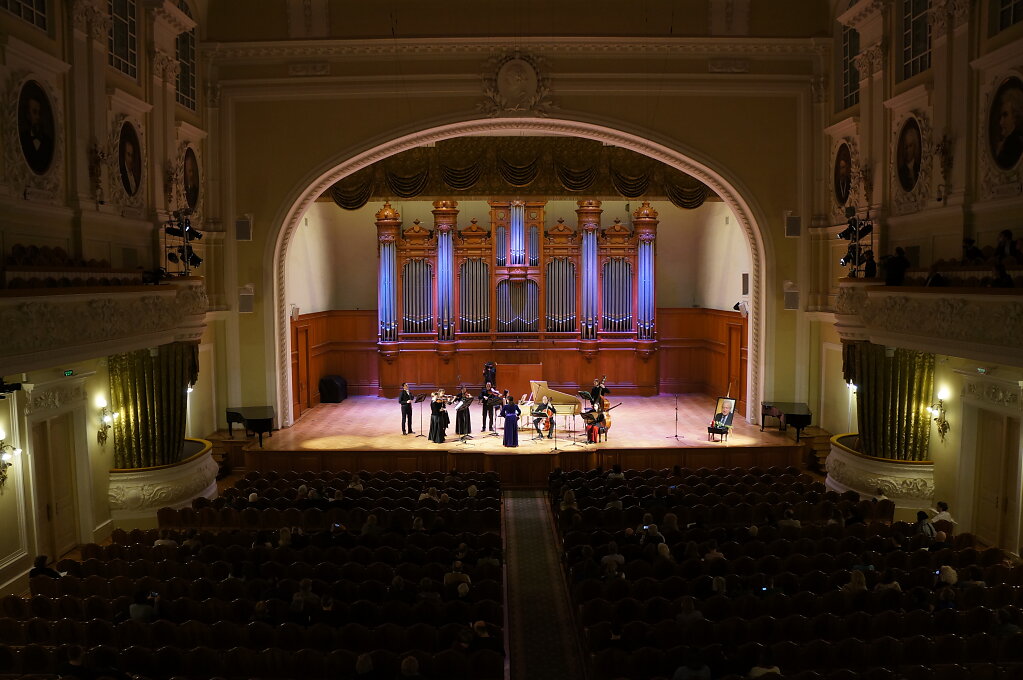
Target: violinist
pixel 438 417
pixel 488 411
pixel 598 391
pixel 543 417
pixel 463 425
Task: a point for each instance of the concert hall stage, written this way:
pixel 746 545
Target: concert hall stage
pixel 363 433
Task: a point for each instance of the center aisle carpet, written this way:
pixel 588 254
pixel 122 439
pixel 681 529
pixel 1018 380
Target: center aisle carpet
pixel 542 633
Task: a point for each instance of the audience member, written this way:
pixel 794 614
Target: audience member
pixel 616 472
pixel 888 582
pixel 895 268
pixel 971 253
pixel 1005 246
pixel 923 525
pixel 869 265
pixel 165 539
pixel 39 568
pixel 789 519
pixel 409 668
pixel 934 278
pixel 765 665
pixel 143 606
pixel 688 613
pixel 482 639
pixel 941 513
pixel 857 583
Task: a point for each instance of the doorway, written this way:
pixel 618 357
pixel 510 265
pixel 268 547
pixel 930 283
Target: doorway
pixel 996 500
pixel 56 508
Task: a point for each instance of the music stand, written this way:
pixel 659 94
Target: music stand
pixel 419 399
pixel 536 414
pixel 493 402
pixel 462 406
pixel 676 436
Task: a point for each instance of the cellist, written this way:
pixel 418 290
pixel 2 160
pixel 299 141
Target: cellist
pixel 544 417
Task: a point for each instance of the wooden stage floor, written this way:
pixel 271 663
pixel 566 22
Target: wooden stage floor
pixel 365 433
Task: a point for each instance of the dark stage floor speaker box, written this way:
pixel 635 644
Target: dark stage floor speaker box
pixel 333 389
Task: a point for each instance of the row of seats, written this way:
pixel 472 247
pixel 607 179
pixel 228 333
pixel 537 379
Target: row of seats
pixel 795 627
pixel 564 476
pixel 241 662
pixel 315 519
pixel 322 540
pixel 240 610
pixel 194 569
pixel 454 479
pixel 353 637
pixel 850 654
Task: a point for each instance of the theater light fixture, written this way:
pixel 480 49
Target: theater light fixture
pixel 106 420
pixel 937 410
pixel 8 452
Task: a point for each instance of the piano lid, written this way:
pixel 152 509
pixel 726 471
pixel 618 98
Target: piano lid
pixel 565 403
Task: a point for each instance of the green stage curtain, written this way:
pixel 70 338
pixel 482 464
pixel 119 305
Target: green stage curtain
pixel 149 390
pixel 892 396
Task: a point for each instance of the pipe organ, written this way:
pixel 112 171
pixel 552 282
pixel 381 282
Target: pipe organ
pixel 518 277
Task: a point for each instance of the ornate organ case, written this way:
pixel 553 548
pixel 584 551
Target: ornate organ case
pixel 517 292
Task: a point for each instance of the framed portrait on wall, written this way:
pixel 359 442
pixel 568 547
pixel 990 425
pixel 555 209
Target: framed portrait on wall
pixel 724 412
pixel 1005 124
pixel 843 174
pixel 36 128
pixel 908 154
pixel 129 158
pixel 191 180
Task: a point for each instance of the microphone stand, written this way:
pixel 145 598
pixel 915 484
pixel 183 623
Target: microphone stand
pixel 676 435
pixel 555 428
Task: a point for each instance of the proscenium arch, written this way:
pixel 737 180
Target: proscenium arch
pixel 720 180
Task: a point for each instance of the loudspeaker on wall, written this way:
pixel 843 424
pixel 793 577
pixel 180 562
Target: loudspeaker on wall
pixel 243 228
pixel 793 226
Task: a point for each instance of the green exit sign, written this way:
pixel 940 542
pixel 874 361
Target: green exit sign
pixel 68 373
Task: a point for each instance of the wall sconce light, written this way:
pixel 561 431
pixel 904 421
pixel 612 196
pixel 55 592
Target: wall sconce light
pixel 852 387
pixel 8 453
pixel 938 411
pixel 106 420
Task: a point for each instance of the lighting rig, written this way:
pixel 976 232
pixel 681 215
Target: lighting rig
pixel 856 232
pixel 178 237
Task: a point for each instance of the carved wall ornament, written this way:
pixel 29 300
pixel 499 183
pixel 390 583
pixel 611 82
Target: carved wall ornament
pixel 937 17
pixel 911 158
pixel 871 59
pixel 91 17
pixel 1001 136
pixel 988 392
pixel 143 492
pixel 127 163
pixel 909 485
pixel 33 134
pixel 515 84
pixel 53 398
pixel 960 11
pixel 945 151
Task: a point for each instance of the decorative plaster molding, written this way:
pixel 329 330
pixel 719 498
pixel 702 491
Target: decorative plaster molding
pixel 728 66
pixel 55 397
pixel 861 12
pixel 309 68
pixel 91 17
pixel 910 485
pixel 515 84
pixel 937 17
pixel 278 51
pixel 61 323
pixel 960 11
pixel 871 59
pixel 141 493
pixel 980 389
pixel 731 197
pixel 172 17
pixel 49 186
pixel 165 65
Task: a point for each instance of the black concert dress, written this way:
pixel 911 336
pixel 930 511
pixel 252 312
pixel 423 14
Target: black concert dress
pixel 463 425
pixel 438 422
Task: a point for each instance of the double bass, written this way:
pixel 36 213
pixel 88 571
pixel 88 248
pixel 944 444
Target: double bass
pixel 605 403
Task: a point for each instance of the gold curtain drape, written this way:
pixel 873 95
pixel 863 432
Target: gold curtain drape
pixel 149 390
pixel 893 392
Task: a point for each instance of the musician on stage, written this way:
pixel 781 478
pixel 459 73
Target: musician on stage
pixel 439 417
pixel 463 425
pixel 510 412
pixel 597 391
pixel 594 424
pixel 488 411
pixel 544 411
pixel 405 399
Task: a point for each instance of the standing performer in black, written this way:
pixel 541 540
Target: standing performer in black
pixel 405 399
pixel 597 391
pixel 489 373
pixel 438 418
pixel 463 425
pixel 488 411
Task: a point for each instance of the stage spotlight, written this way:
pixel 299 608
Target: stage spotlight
pixel 851 255
pixel 193 234
pixel 174 231
pixel 849 233
pixel 865 228
pixel 173 257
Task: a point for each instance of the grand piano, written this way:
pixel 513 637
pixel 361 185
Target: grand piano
pixel 256 419
pixel 796 414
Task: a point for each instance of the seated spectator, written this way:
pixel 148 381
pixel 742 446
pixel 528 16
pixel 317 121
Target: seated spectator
pixel 616 472
pixel 370 527
pixel 857 583
pixel 462 591
pixel 328 614
pixel 253 498
pixel 568 501
pixel 946 576
pixel 613 555
pixel 165 539
pixel 972 576
pixel 456 575
pixel 262 540
pixel 765 665
pixel 664 553
pixel 688 613
pixel 946 599
pixel 482 639
pixel 789 519
pixel 429 493
pixel 409 668
pixel 865 563
pixel 418 527
pixel 940 542
pixel 356 483
pixel 895 268
pixel 888 582
pixel 462 640
pixel 471 491
pixel 444 499
pixel 971 253
pixel 284 537
pixel 719 586
pixel 143 606
pixel 652 536
pixel 712 552
pixel 338 496
pixel 302 493
pixel 305 602
pixel 1005 246
pixel 941 513
pixel 669 523
pixel 192 541
pixel 261 613
pixel 39 568
pixel 613 502
pixel 694 668
pixel 609 571
pixel 923 525
pixel 364 669
pixel 934 278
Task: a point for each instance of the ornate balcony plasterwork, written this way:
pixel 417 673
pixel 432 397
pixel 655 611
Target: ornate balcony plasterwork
pixel 138 494
pixel 909 484
pixel 969 323
pixel 42 330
